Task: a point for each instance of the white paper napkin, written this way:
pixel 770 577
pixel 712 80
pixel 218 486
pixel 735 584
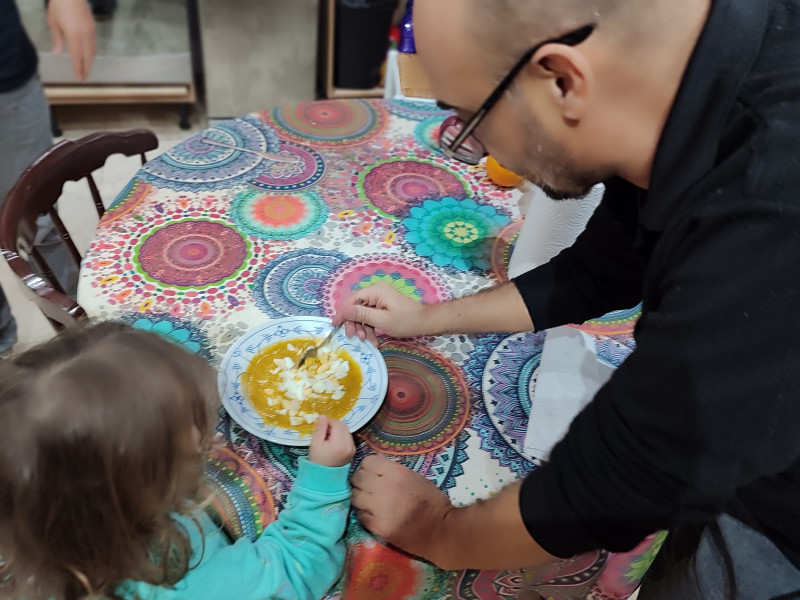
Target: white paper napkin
pixel 568 377
pixel 549 227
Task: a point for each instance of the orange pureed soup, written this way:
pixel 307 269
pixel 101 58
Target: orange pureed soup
pixel 293 398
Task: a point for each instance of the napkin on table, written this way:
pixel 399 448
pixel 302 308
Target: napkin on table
pixel 569 376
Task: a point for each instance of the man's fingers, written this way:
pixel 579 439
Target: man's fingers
pixel 377 525
pixel 362 501
pixel 360 480
pixel 58 39
pixel 365 315
pixel 367 519
pixel 81 49
pixel 369 296
pixel 361 333
pixel 89 49
pixel 372 338
pixel 376 464
pixel 77 66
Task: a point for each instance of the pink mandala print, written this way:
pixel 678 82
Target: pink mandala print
pixel 306 170
pixel 128 202
pixel 392 187
pixel 501 250
pixel 618 322
pixel 192 254
pixel 331 123
pixel 278 216
pixel 414 279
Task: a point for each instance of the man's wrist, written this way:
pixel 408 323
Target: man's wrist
pixel 432 315
pixel 445 549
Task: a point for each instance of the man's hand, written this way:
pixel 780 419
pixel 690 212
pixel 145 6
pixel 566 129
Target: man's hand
pixel 382 307
pixel 401 507
pixel 407 510
pixel 71 21
pixel 500 308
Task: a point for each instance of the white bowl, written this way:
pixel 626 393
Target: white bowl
pixel 375 378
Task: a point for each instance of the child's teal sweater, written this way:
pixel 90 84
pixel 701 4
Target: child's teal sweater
pixel 299 556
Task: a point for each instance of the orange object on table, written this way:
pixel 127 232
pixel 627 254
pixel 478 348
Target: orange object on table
pixel 500 175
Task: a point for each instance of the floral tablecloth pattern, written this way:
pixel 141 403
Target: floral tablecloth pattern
pixel 206 242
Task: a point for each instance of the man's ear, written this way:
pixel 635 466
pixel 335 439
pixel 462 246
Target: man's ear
pixel 569 76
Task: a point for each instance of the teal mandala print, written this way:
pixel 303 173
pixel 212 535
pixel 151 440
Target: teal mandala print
pixel 455 233
pixel 182 332
pixel 427 133
pixel 278 216
pixel 416 110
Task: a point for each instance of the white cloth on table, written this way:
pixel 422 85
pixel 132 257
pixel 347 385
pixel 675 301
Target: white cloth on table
pixel 550 226
pixel 569 373
pixel 569 376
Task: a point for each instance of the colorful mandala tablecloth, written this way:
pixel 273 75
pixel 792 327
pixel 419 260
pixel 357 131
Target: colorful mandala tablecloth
pixel 206 242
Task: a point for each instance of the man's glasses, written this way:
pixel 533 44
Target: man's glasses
pixel 455 135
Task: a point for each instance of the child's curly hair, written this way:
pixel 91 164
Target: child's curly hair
pixel 101 438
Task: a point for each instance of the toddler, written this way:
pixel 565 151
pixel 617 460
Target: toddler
pixel 102 439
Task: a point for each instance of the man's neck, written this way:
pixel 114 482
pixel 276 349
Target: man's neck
pixel 655 73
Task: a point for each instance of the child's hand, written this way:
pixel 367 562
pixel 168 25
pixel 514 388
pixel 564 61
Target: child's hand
pixel 331 444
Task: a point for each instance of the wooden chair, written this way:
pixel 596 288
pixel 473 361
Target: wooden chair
pixel 35 194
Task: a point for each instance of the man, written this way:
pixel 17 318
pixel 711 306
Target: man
pixel 25 118
pixel 689 111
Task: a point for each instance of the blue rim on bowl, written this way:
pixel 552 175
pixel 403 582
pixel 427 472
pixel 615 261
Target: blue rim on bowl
pixel 375 378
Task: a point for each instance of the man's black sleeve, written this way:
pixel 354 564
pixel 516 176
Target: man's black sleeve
pixel 705 406
pixel 599 273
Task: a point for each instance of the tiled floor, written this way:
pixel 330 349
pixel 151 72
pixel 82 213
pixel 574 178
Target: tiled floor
pixel 75 207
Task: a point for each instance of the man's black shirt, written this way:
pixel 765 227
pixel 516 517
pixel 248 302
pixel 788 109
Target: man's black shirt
pixel 704 417
pixel 18 59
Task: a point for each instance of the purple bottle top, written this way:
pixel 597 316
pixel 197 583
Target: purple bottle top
pixel 407 45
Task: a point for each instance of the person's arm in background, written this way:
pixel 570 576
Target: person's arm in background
pixel 71 23
pixel 598 273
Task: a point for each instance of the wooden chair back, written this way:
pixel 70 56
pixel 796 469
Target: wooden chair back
pixel 35 194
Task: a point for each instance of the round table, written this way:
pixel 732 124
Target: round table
pixel 207 241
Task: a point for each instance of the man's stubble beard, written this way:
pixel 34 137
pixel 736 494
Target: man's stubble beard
pixel 553 168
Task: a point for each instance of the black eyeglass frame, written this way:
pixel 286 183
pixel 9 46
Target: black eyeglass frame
pixel 573 38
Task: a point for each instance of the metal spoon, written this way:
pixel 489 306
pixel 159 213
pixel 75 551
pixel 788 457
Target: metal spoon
pixel 312 351
pixel 267 155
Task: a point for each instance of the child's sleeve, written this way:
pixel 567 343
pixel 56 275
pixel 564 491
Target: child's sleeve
pixel 299 556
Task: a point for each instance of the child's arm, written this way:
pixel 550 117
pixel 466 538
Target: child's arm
pixel 299 556
pixel 306 540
